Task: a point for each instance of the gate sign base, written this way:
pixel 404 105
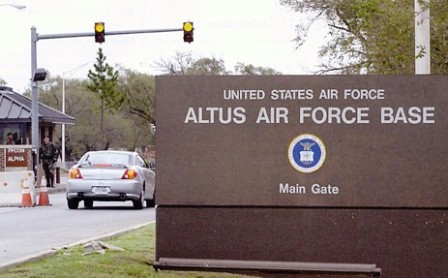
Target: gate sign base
pixel 332 170
pixel 226 265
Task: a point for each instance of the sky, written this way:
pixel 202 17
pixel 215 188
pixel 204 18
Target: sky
pixel 257 32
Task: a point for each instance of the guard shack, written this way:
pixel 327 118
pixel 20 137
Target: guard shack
pixel 15 129
pixel 303 174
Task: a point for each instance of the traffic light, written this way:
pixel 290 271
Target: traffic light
pixel 99 32
pixel 188 31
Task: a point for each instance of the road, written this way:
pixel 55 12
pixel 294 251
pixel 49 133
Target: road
pixel 29 231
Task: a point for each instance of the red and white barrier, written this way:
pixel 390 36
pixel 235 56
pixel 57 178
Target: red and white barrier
pixel 11 187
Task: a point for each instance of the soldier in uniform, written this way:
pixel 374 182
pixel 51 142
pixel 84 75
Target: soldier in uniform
pixel 48 154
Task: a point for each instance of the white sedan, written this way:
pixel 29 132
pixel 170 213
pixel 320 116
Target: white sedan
pixel 111 176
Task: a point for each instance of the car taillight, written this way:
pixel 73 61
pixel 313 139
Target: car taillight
pixel 75 174
pixel 129 174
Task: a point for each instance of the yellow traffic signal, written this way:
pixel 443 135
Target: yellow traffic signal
pixel 188 31
pixel 99 32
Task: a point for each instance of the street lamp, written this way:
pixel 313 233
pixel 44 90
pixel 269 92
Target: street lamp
pixel 63 105
pixel 39 74
pixel 14 5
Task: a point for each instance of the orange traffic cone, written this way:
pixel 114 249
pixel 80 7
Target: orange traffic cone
pixel 26 197
pixel 44 200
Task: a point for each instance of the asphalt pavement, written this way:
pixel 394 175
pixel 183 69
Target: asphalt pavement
pixel 58 190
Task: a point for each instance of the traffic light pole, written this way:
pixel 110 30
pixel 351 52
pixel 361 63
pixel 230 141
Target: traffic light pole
pixel 111 33
pixel 34 92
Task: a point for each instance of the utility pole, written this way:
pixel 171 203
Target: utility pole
pixel 422 37
pixel 34 104
pixel 36 75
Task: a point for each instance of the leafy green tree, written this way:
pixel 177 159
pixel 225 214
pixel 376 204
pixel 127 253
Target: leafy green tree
pixel 85 134
pixel 135 113
pixel 439 37
pixel 103 82
pixel 375 36
pixel 140 91
pixel 140 107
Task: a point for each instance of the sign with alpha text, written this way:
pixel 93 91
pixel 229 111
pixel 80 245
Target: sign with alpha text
pixel 302 141
pixel 16 157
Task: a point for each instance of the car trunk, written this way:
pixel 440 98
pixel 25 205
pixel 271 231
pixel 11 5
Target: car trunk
pixel 102 173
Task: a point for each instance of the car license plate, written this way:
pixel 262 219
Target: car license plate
pixel 100 190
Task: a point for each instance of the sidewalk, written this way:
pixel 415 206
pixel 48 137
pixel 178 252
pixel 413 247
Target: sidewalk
pixel 58 187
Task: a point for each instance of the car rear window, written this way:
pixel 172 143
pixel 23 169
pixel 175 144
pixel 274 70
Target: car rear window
pixel 108 159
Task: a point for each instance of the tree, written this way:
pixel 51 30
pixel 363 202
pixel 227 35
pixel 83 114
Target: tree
pixel 207 66
pixel 140 107
pixel 185 64
pixel 375 36
pixel 85 134
pixel 103 82
pixel 140 91
pixel 176 66
pixel 439 37
pixel 250 69
pixel 134 115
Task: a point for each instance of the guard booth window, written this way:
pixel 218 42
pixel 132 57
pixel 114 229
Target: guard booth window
pixel 11 134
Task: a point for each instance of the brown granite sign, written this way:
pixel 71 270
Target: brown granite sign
pixel 281 170
pixel 303 141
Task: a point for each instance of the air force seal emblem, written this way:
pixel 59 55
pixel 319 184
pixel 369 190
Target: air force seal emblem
pixel 306 153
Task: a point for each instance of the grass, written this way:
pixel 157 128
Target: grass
pixel 135 261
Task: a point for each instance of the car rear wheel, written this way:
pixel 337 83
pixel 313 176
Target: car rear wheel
pixel 72 203
pixel 138 204
pixel 151 202
pixel 88 204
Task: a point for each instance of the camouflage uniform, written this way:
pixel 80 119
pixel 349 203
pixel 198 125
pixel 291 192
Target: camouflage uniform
pixel 48 155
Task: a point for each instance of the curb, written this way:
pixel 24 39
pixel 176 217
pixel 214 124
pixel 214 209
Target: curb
pixel 49 253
